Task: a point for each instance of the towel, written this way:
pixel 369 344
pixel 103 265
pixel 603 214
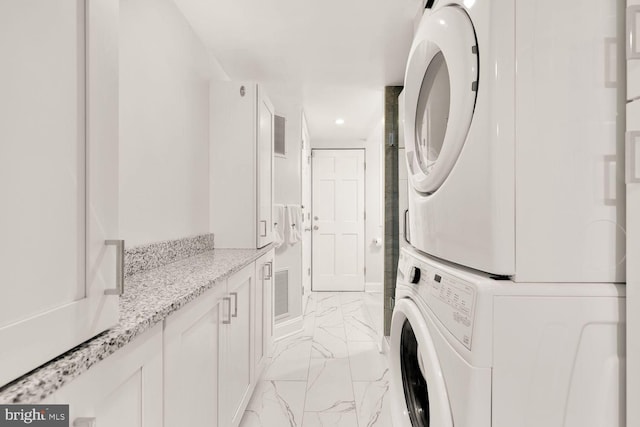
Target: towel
pixel 294 214
pixel 278 225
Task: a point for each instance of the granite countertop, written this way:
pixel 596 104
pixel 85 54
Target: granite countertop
pixel 149 297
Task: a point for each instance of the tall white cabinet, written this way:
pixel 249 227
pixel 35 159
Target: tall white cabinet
pixel 633 212
pixel 241 159
pixel 58 177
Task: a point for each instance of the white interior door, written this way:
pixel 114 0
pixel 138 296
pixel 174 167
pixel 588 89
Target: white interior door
pixel 633 262
pixel 338 220
pixel 306 202
pixel 633 212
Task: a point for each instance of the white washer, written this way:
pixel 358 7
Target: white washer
pixel 516 173
pixel 467 350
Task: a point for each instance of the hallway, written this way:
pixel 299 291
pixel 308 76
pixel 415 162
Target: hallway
pixel 332 374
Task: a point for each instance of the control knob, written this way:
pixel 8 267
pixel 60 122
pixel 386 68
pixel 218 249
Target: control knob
pixel 414 275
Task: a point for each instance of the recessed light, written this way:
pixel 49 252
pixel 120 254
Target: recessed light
pixel 339 122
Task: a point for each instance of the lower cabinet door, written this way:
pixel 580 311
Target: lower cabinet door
pixel 263 318
pixel 236 354
pixel 191 343
pixel 124 390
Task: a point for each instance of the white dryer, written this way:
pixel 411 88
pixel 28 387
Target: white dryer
pixel 467 350
pixel 518 171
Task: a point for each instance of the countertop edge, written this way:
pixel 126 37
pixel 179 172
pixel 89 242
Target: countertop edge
pixel 45 380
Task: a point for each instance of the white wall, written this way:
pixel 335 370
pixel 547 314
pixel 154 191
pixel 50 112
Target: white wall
pixel 288 190
pixel 164 124
pixel 374 228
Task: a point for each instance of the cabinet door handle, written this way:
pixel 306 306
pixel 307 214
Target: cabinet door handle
pixel 633 45
pixel 84 422
pixel 267 276
pixel 228 321
pixel 263 222
pixel 235 305
pixel 631 160
pixel 119 290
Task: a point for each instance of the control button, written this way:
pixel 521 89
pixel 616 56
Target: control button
pixel 414 275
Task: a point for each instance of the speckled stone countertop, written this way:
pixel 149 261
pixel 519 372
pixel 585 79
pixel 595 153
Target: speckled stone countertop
pixel 149 298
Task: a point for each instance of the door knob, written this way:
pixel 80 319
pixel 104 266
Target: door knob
pixel 315 227
pixel 315 218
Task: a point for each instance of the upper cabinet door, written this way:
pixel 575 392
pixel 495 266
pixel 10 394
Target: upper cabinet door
pixel 633 49
pixel 58 177
pixel 265 170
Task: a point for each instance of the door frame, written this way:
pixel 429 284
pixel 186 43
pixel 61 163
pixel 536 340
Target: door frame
pixel 305 196
pixel 364 242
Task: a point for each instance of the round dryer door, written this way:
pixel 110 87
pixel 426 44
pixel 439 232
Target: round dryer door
pixel 418 393
pixel 441 83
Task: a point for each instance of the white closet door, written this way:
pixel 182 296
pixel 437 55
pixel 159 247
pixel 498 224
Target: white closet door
pixel 58 176
pixel 633 262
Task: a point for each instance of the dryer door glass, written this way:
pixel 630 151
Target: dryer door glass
pixel 413 379
pixel 432 114
pixel 441 85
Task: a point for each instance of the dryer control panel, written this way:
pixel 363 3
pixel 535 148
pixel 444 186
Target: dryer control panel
pixel 452 300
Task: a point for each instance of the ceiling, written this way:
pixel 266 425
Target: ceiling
pixel 333 57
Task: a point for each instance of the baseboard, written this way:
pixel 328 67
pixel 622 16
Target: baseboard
pixel 373 287
pixel 287 328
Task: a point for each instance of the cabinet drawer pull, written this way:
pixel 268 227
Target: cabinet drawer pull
pixel 84 422
pixel 228 321
pixel 269 267
pixel 235 305
pixel 119 290
pixel 263 234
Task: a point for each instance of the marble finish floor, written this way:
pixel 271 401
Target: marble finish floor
pixel 332 374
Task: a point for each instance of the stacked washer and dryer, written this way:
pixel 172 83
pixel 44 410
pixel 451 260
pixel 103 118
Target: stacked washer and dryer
pixel 510 301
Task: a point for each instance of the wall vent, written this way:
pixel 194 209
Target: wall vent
pixel 278 135
pixel 281 294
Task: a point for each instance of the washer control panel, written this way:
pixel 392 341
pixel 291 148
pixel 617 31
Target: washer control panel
pixel 451 299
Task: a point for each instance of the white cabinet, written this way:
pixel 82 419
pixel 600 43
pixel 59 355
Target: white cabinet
pixel 633 49
pixel 125 390
pixel 58 176
pixel 216 347
pixel 241 165
pixel 633 266
pixel 236 348
pixel 263 318
pixel 191 347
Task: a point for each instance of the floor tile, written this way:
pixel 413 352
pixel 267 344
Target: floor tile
pixel 329 316
pixel 349 297
pixel 372 403
pixel 327 299
pixel 367 363
pixel 331 374
pixel 359 329
pixel 329 343
pixel 329 386
pixel 290 360
pixel 276 403
pixel 330 419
